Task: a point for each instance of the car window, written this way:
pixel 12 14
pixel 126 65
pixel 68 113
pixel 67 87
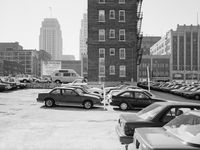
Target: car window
pixel 56 92
pixel 127 94
pixel 66 74
pixel 57 74
pixel 174 112
pixel 80 91
pixel 68 92
pixel 140 95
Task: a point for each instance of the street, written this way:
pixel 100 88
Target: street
pixel 28 125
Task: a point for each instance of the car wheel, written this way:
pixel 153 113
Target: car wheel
pixel 58 81
pixel 49 102
pixel 25 81
pixel 123 106
pixel 87 104
pixel 197 97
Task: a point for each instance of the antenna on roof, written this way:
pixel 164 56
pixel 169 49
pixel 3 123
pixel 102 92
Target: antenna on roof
pixel 197 19
pixel 50 9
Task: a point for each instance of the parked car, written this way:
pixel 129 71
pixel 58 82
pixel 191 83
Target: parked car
pixel 42 80
pixel 85 91
pixel 6 80
pixel 24 78
pixel 192 94
pixel 182 133
pixel 4 86
pixel 68 96
pixel 131 99
pixel 155 115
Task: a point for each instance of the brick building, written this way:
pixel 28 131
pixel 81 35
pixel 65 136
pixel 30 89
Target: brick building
pixel 113 39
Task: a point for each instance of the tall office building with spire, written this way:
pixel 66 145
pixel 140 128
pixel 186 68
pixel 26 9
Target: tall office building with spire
pixel 50 38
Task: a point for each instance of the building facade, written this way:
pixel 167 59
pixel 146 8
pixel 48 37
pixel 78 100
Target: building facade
pixel 50 38
pixel 148 42
pixel 83 46
pixel 112 40
pixel 158 67
pixel 10 68
pixel 27 58
pixel 183 46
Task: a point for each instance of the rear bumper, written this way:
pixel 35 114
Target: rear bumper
pixel 124 139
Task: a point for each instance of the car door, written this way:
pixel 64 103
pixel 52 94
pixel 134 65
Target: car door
pixel 127 97
pixel 56 94
pixel 69 96
pixel 141 99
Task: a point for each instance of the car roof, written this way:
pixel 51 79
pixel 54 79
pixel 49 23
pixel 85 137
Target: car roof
pixel 194 112
pixel 176 103
pixel 64 88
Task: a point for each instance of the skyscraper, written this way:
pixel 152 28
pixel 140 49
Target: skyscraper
pixel 50 38
pixel 83 46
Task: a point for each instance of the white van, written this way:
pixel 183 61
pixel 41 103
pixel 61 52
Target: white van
pixel 65 76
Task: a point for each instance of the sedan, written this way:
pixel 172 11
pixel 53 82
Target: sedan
pixel 68 96
pixel 182 133
pixel 132 98
pixel 155 115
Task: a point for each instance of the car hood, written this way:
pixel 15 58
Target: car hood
pixel 91 95
pixel 131 118
pixel 159 138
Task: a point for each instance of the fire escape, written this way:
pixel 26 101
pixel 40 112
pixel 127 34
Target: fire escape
pixel 139 34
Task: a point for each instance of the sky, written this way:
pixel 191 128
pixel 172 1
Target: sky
pixel 20 20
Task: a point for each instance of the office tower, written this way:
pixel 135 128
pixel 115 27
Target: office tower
pixel 83 46
pixel 50 38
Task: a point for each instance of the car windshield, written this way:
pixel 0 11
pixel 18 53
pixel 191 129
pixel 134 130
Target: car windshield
pixel 150 112
pixel 186 127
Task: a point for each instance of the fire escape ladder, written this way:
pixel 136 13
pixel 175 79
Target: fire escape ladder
pixel 139 34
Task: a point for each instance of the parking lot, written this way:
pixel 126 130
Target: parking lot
pixel 26 124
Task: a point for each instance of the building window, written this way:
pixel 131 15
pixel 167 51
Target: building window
pixel 112 51
pixel 122 53
pixel 112 14
pixel 112 70
pixel 101 52
pixel 122 71
pixel 122 35
pixel 102 2
pixel 102 71
pixel 101 35
pixel 122 16
pixel 121 1
pixel 101 15
pixel 112 33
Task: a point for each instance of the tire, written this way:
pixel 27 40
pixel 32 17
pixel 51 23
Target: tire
pixel 57 81
pixel 87 104
pixel 25 81
pixel 197 97
pixel 123 106
pixel 49 102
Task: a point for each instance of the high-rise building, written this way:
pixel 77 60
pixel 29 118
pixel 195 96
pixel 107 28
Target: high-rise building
pixel 113 33
pixel 50 38
pixel 83 46
pixel 183 47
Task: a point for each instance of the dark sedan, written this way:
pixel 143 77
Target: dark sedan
pixel 68 96
pixel 182 133
pixel 132 98
pixel 155 115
